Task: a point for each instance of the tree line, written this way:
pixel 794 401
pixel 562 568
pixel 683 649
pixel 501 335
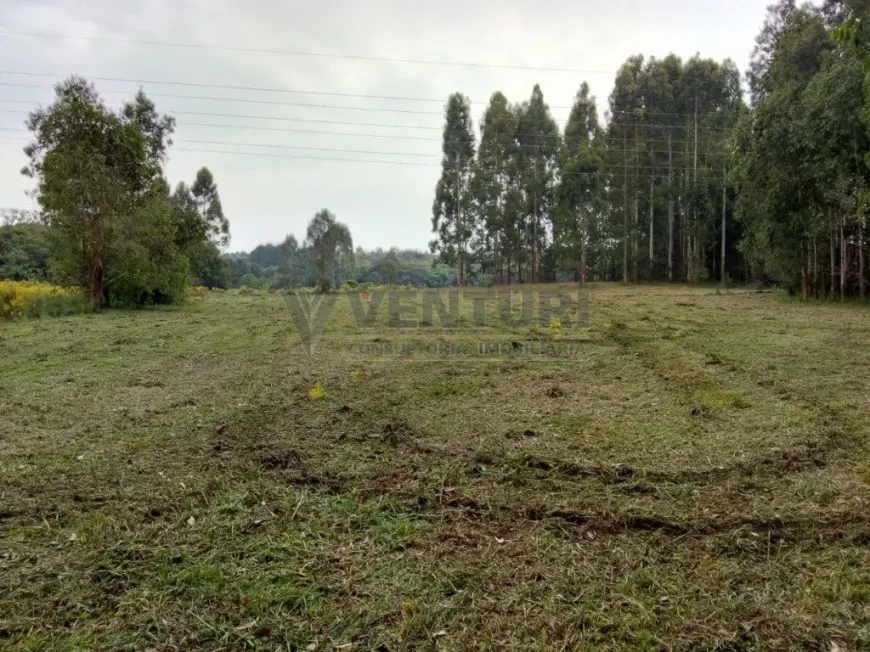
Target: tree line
pixel 682 180
pixel 108 220
pixel 319 262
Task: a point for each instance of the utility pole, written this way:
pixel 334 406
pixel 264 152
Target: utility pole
pixel 724 206
pixel 670 210
pixel 636 192
pixel 460 234
pixel 535 278
pixel 652 212
pixel 625 206
pixel 696 231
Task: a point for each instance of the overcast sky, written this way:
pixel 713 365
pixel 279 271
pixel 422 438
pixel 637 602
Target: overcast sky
pixel 267 197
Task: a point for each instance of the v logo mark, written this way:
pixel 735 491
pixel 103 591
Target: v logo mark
pixel 309 313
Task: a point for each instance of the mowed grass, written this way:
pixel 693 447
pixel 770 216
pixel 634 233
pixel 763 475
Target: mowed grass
pixel 696 477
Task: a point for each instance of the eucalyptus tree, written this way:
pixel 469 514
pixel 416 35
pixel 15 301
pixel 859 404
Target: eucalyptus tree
pixel 452 217
pixel 332 245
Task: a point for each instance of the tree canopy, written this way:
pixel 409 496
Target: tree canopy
pixel 680 179
pixel 113 226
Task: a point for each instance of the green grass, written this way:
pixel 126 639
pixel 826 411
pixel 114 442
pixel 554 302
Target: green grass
pixel 696 479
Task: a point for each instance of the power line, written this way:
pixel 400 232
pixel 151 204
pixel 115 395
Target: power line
pixel 408 163
pixel 286 119
pixel 317 132
pixel 321 106
pixel 298 53
pixel 220 86
pixel 643 171
pixel 411 163
pixel 294 156
pixel 300 147
pixel 267 89
pixel 269 117
pixel 299 156
pixel 320 132
pixel 218 99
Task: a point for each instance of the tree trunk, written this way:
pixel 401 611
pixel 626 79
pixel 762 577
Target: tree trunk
pixel 804 276
pixel 724 210
pixel 496 254
pixel 651 230
pixel 460 229
pixel 670 212
pixel 862 280
pixel 685 226
pixel 833 258
pixel 844 258
pixel 625 206
pixel 97 294
pixel 695 258
pixel 534 270
pixel 688 255
pixel 634 249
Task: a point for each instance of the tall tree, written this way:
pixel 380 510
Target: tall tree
pixel 452 217
pixel 332 245
pixel 94 169
pixel 539 142
pixel 579 190
pixel 797 165
pixel 626 109
pixel 291 263
pixel 492 185
pixel 208 203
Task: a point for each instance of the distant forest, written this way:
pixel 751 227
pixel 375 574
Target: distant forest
pixel 269 266
pixel 684 181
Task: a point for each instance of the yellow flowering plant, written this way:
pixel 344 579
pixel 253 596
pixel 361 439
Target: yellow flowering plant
pixel 22 299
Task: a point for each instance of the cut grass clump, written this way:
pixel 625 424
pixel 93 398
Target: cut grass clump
pixel 721 399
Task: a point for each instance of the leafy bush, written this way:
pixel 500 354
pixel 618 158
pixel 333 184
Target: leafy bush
pixel 24 252
pixel 253 283
pixel 145 267
pixel 31 299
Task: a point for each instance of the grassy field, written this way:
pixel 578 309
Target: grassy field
pixel 697 477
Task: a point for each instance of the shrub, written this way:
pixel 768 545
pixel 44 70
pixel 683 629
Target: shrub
pixel 253 282
pixel 31 299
